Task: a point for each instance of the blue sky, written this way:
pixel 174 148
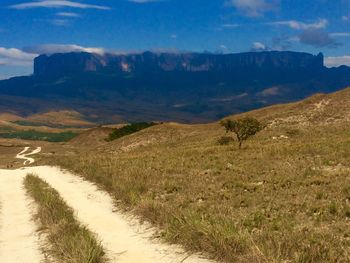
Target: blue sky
pixel 32 27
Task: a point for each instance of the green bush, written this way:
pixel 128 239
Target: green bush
pixel 129 129
pixel 243 128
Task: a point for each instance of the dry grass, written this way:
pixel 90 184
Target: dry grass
pixel 277 200
pixel 68 240
pixel 274 201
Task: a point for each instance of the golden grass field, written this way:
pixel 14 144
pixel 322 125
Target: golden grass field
pixel 279 199
pixel 284 197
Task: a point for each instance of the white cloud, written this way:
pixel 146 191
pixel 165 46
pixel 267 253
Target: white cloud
pixel 340 34
pixel 254 8
pixel 58 48
pixel 273 91
pixel 173 36
pixel 345 18
pixel 258 46
pixel 321 23
pixel 318 38
pixel 15 57
pixel 230 26
pixel 68 14
pixel 24 57
pixel 57 4
pixel 337 61
pixel 222 49
pixel 144 1
pixel 60 22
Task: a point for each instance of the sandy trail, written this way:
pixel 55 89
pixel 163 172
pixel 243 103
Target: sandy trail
pixel 124 242
pixel 23 155
pixel 18 237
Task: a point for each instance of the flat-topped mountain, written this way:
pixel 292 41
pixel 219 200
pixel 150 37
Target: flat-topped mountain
pixel 185 87
pixel 72 63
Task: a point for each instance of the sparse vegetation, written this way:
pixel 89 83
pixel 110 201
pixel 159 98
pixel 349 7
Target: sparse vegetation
pixel 282 199
pixel 38 136
pixel 68 240
pixel 257 205
pixel 47 124
pixel 243 128
pixel 129 129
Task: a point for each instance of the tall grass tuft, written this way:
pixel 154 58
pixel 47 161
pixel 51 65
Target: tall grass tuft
pixel 68 240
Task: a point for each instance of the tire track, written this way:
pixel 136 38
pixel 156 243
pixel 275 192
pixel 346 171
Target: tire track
pixel 124 241
pixel 18 237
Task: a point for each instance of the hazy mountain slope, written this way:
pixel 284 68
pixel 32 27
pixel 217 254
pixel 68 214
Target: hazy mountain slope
pixel 185 87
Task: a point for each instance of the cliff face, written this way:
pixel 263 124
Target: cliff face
pixel 185 87
pixel 148 62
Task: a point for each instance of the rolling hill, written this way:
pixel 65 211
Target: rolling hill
pixel 283 198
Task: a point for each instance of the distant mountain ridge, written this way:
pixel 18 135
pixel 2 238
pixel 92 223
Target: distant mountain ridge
pixel 72 63
pixel 185 87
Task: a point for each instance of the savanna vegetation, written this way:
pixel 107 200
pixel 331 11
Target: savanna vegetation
pixel 51 125
pixel 278 199
pixel 38 135
pixel 68 240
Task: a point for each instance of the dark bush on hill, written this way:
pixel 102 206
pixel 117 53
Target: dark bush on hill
pixel 129 129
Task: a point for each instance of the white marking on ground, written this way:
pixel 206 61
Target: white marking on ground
pixel 23 155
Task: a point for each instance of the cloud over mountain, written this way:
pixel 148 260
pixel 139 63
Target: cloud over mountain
pixel 15 57
pixel 337 61
pixel 58 48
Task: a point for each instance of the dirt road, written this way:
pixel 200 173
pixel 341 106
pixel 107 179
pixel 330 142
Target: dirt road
pixel 124 239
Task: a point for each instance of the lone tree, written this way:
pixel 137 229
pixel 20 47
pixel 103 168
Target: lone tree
pixel 243 128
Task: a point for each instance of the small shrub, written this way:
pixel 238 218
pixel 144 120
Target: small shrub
pixel 225 140
pixel 243 128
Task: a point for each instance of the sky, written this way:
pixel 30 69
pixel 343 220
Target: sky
pixel 32 27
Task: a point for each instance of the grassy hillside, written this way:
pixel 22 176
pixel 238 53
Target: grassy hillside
pixel 34 135
pixel 279 199
pixel 52 121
